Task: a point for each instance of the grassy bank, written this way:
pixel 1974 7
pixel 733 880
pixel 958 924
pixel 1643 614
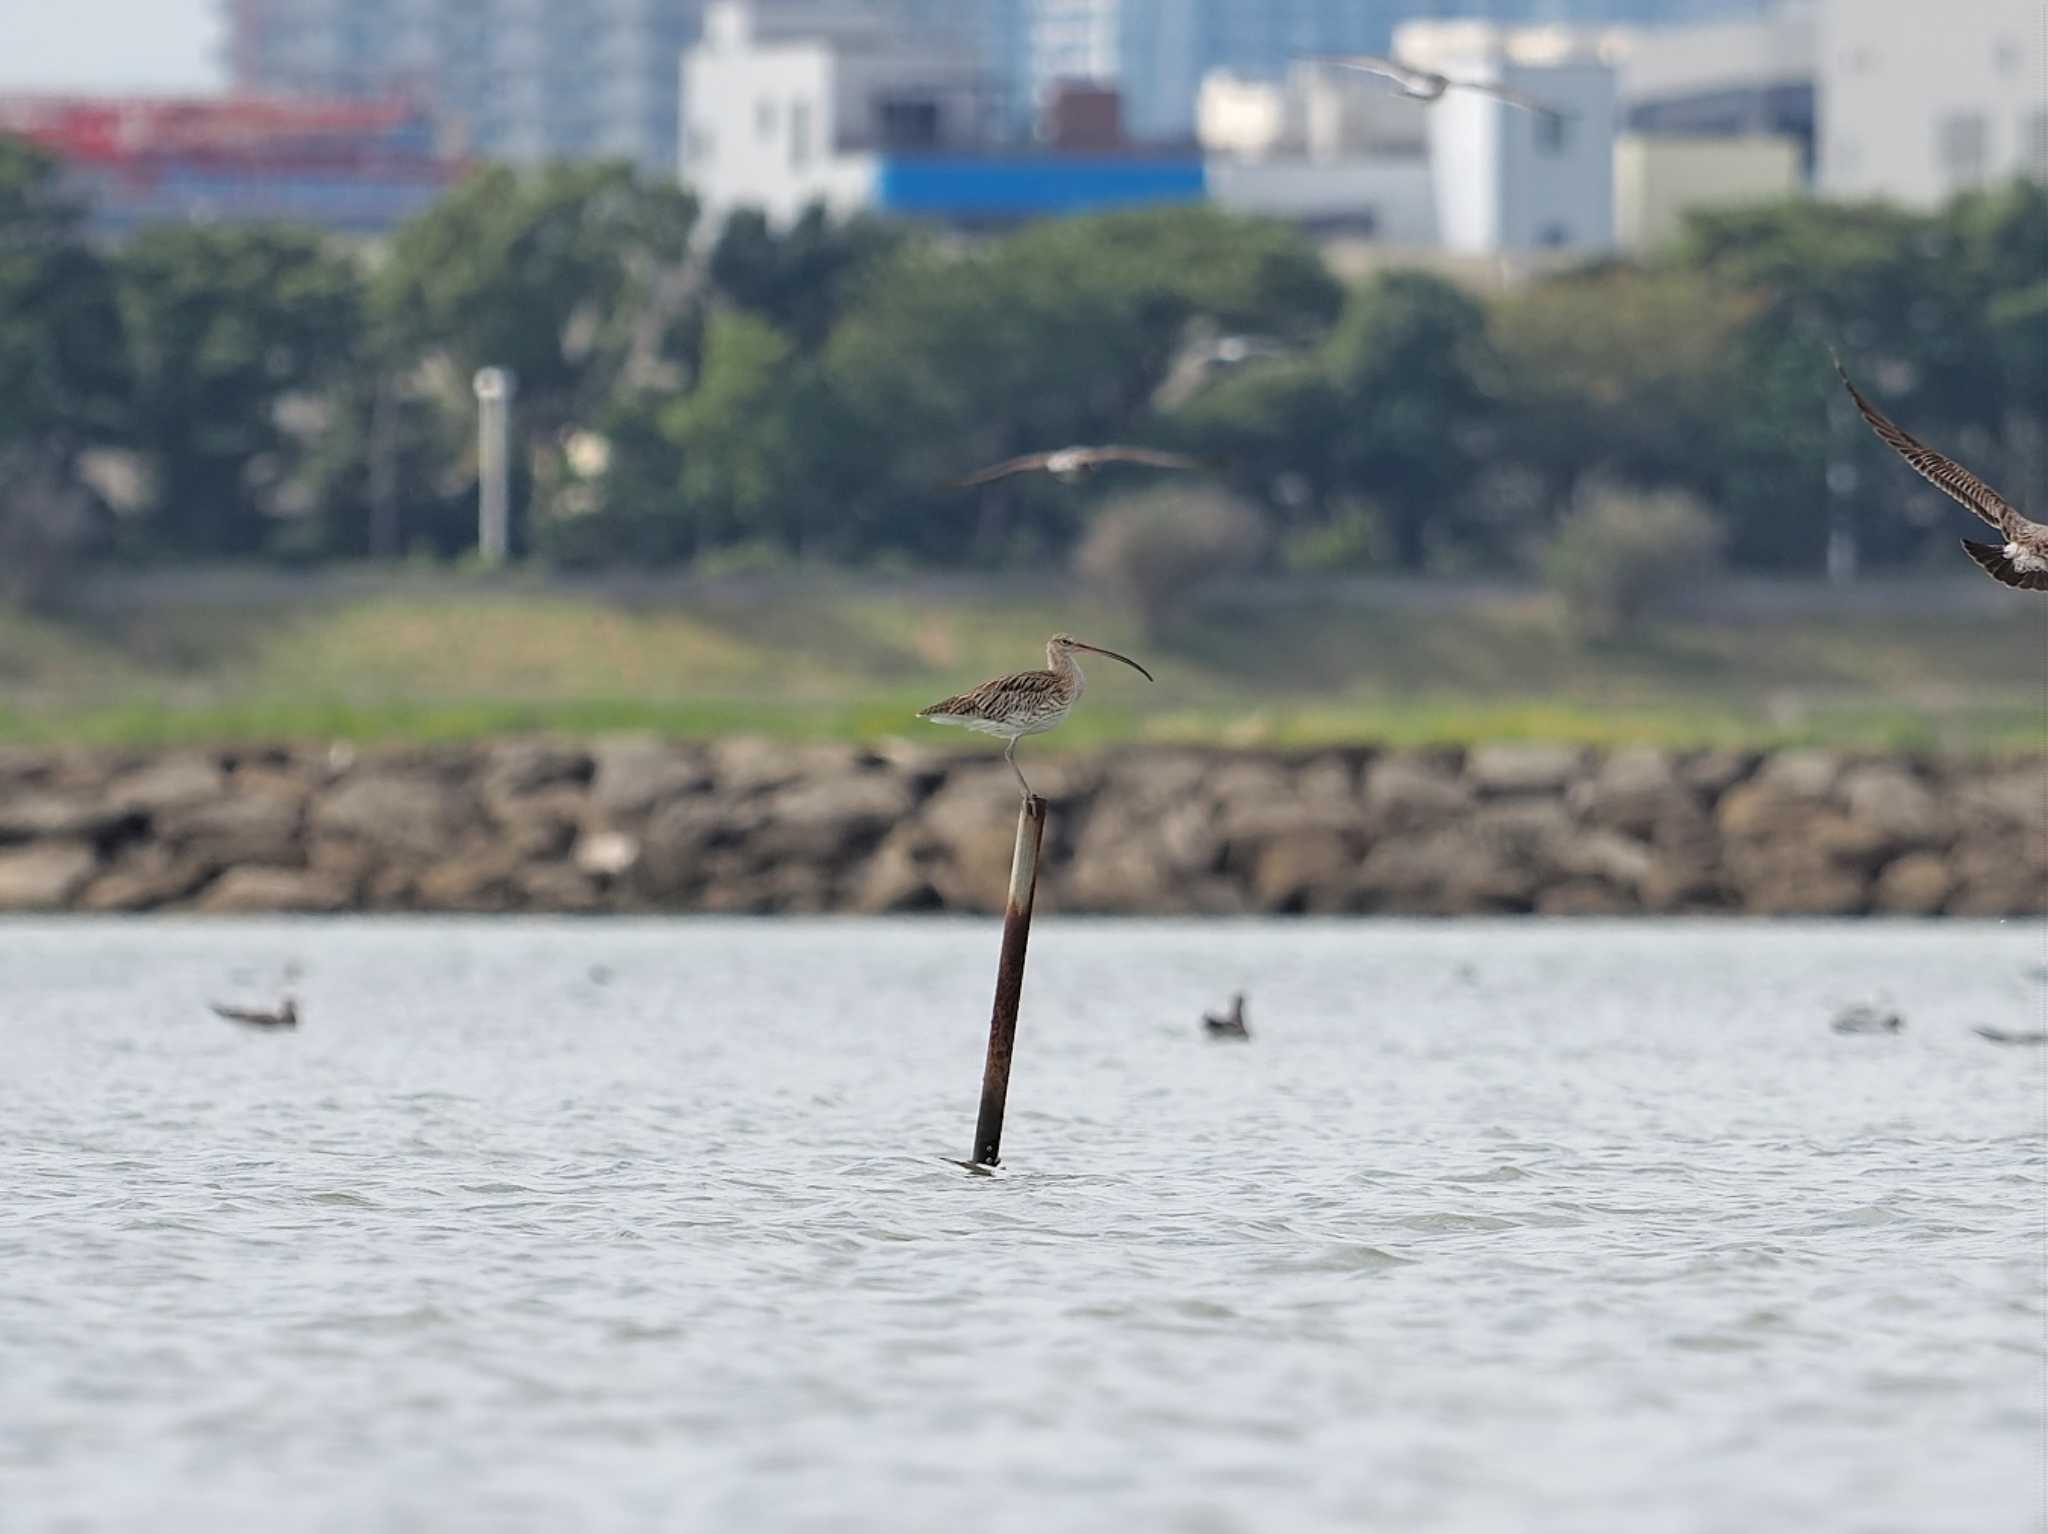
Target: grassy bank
pixel 222 656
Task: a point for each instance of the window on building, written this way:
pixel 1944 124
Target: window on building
pixel 1962 148
pixel 907 122
pixel 1553 236
pixel 1552 131
pixel 764 119
pixel 2034 146
pixel 799 134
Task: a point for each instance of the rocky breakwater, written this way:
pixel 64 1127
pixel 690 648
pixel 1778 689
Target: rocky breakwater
pixel 751 826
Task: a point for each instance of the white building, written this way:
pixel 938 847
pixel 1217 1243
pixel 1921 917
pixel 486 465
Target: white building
pixel 783 110
pixel 1920 101
pixel 1506 179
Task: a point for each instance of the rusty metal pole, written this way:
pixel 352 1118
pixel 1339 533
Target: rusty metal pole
pixel 1002 1025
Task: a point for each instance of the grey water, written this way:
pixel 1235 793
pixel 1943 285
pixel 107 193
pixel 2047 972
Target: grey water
pixel 651 1225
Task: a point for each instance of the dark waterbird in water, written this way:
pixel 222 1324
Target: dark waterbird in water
pixel 1231 1027
pixel 2009 1036
pixel 286 1016
pixel 1861 1019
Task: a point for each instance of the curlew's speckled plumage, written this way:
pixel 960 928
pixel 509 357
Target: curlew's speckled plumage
pixel 2022 560
pixel 1025 702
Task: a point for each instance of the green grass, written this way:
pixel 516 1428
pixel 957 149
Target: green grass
pixel 226 657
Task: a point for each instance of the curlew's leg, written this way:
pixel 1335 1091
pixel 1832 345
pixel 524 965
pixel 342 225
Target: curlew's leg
pixel 1010 756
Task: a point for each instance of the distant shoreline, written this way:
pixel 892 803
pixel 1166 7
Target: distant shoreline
pixel 640 824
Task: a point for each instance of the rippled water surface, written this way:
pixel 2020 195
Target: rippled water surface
pixel 650 1226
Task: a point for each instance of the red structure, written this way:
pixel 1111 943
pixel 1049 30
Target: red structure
pixel 358 166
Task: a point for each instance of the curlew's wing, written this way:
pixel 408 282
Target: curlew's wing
pixel 1992 557
pixel 1022 464
pixel 1513 98
pixel 995 699
pixel 1945 474
pixel 1386 69
pixel 1152 456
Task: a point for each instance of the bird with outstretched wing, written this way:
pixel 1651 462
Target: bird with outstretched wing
pixel 1428 85
pixel 2022 560
pixel 1068 464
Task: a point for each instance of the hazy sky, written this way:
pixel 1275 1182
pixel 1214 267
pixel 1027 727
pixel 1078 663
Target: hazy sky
pixel 96 45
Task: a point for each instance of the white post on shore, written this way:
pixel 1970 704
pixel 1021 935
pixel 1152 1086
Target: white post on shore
pixel 494 390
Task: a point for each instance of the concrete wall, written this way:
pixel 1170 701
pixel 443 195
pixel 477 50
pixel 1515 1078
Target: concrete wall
pixel 1919 101
pixel 1390 199
pixel 1658 180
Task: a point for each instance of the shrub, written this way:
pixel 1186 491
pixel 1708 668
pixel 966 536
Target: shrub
pixel 49 523
pixel 1153 549
pixel 1619 552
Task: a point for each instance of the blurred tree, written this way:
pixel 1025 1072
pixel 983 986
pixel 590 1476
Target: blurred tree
pixel 578 278
pixel 63 365
pixel 800 279
pixel 231 331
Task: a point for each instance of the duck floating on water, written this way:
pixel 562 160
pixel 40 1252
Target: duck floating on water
pixel 1231 1027
pixel 286 1016
pixel 2010 1036
pixel 1861 1019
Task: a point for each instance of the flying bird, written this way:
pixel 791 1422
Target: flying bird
pixel 1069 465
pixel 2022 560
pixel 1230 1026
pixel 1428 85
pixel 286 1016
pixel 1025 702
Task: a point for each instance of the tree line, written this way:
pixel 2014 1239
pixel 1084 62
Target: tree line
pixel 262 392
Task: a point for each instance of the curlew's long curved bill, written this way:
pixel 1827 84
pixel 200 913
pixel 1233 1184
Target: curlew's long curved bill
pixel 1098 650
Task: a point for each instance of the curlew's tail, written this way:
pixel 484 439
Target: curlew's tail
pixel 1992 557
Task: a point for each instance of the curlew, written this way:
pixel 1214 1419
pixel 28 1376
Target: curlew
pixel 1069 465
pixel 1025 702
pixel 1228 1027
pixel 1428 85
pixel 286 1016
pixel 2022 560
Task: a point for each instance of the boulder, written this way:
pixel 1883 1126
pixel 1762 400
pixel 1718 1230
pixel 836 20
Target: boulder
pixel 1303 870
pixel 1897 807
pixel 1805 774
pixel 556 887
pixel 895 879
pixel 1607 857
pixel 541 826
pixel 1328 779
pixel 253 890
pixel 1523 767
pixel 242 827
pixel 1713 773
pixel 633 775
pixel 516 768
pixel 1440 873
pixel 476 878
pixel 1406 793
pixel 46 876
pixel 176 782
pixel 1634 790
pixel 1917 884
pixel 414 814
pixel 833 820
pixel 145 878
pixel 677 849
pixel 61 816
pixel 1118 876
